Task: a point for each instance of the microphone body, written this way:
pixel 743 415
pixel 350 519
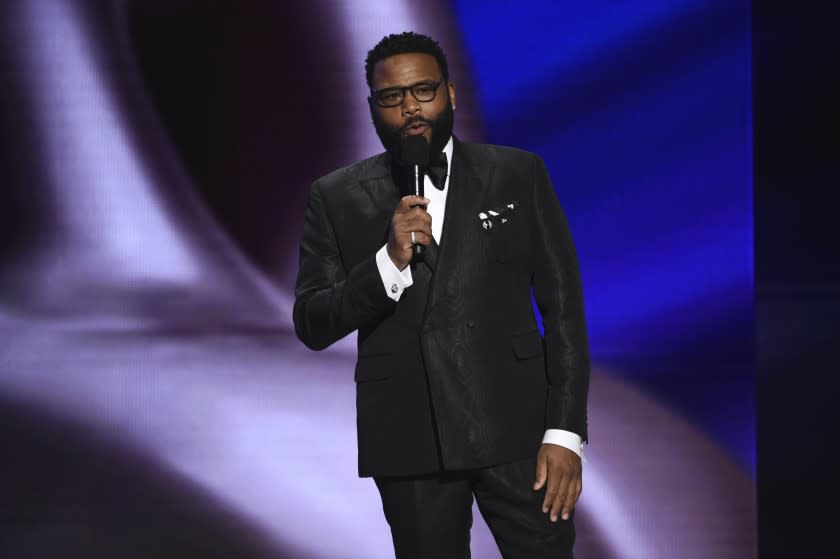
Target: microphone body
pixel 419 190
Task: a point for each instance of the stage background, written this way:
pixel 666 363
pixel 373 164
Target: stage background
pixel 155 162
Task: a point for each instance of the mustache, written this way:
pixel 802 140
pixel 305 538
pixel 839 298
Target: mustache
pixel 414 120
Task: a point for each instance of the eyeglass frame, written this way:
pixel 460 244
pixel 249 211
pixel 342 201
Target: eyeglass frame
pixel 376 92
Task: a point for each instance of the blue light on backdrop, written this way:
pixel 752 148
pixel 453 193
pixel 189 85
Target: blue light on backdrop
pixel 642 112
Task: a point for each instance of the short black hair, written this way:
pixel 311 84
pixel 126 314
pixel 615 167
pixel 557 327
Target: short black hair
pixel 402 43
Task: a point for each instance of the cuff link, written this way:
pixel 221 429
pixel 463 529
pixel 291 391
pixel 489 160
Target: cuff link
pixel 394 288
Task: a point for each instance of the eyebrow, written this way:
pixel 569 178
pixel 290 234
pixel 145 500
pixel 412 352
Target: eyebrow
pixel 430 80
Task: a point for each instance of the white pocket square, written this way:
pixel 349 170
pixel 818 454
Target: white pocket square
pixel 497 216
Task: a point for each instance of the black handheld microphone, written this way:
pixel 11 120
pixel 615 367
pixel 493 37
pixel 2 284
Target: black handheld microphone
pixel 414 156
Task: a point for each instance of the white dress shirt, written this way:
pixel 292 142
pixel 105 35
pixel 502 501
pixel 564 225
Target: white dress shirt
pixel 396 281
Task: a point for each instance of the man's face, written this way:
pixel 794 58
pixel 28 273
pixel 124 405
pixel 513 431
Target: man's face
pixel 433 119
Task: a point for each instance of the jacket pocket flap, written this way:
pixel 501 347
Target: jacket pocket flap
pixel 528 345
pixel 374 367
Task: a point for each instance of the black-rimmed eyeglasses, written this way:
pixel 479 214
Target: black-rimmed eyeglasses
pixel 388 97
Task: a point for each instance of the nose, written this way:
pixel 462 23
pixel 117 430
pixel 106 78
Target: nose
pixel 410 105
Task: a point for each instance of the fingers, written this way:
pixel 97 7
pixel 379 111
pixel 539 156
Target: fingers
pixel 541 473
pixel 570 499
pixel 415 216
pixel 422 231
pixel 558 496
pixel 409 202
pixel 572 496
pixel 420 237
pixel 565 499
pixel 415 220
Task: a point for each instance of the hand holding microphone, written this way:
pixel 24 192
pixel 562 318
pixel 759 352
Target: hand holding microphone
pixel 414 157
pixel 410 220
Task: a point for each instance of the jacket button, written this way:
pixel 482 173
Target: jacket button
pixel 470 324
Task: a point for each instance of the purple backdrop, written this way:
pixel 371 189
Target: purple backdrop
pixel 155 161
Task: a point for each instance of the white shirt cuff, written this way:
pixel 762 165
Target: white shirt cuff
pixel 394 280
pixel 566 439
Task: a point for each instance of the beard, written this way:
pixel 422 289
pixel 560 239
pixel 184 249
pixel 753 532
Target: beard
pixel 391 136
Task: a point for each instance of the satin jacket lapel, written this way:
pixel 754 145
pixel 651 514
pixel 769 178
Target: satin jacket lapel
pixel 381 189
pixel 471 179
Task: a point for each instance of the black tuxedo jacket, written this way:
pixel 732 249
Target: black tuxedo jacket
pixel 456 374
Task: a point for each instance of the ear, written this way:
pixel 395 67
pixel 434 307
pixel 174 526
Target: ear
pixel 451 87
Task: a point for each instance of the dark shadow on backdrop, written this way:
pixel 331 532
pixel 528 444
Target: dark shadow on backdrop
pixel 797 276
pixel 246 92
pixel 67 493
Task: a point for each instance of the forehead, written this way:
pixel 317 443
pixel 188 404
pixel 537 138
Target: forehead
pixel 405 69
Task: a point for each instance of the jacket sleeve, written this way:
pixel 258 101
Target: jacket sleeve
pixel 559 296
pixel 331 302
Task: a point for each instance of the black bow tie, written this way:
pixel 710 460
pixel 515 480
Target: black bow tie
pixel 437 170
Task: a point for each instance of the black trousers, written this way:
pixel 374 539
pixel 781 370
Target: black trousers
pixel 431 515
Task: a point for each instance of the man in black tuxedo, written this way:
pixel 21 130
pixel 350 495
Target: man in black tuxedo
pixel 458 394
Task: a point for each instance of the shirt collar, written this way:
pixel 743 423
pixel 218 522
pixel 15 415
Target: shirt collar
pixel 447 149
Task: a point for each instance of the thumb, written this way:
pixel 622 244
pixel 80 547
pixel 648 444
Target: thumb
pixel 542 471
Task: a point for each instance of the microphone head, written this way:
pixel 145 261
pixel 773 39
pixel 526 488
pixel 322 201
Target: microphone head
pixel 414 151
